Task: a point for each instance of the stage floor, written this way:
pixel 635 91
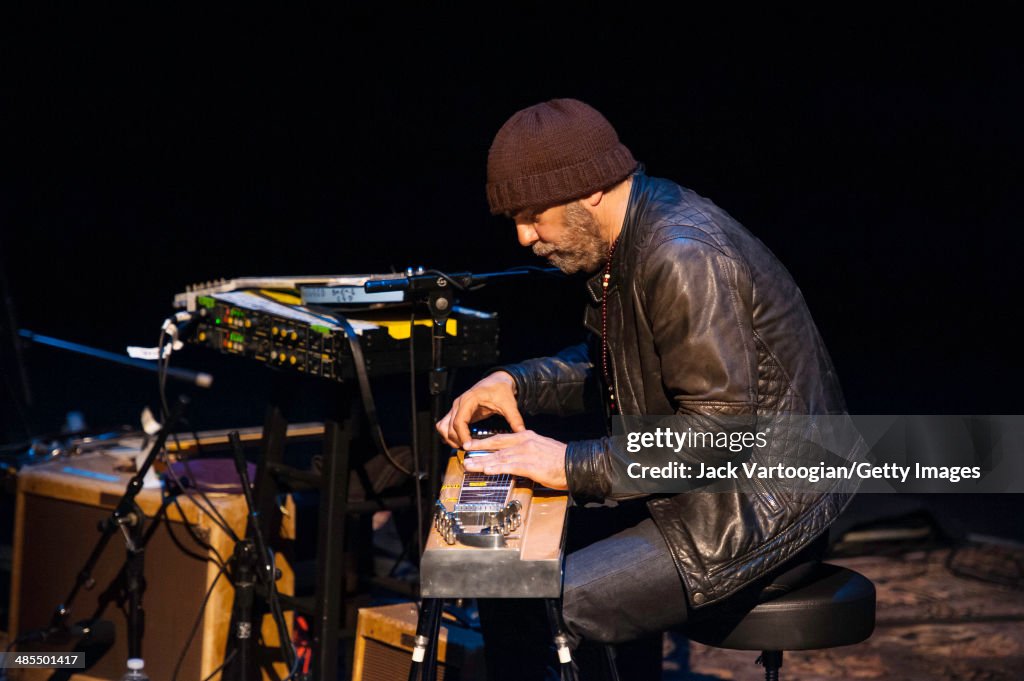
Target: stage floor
pixel 932 623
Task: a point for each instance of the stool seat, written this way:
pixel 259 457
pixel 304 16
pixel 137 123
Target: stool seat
pixel 833 606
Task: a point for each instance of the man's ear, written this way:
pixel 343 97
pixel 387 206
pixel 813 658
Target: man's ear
pixel 594 200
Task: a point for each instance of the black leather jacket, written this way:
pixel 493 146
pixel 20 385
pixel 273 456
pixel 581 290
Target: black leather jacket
pixel 703 320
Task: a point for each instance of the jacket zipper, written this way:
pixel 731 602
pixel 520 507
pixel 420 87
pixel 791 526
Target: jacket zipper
pixel 773 503
pixel 616 395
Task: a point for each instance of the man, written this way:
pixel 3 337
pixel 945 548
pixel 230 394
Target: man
pixel 690 315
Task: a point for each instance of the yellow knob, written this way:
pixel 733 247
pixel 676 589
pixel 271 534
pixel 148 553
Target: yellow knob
pixel 202 335
pixel 248 323
pixel 293 359
pixel 273 330
pixel 295 336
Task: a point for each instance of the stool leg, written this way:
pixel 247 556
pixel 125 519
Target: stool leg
pixel 771 660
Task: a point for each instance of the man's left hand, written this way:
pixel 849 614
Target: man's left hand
pixel 526 453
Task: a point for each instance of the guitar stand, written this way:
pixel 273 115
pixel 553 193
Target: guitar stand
pixel 428 629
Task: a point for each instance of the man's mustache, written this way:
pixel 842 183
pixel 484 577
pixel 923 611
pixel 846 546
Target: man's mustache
pixel 544 250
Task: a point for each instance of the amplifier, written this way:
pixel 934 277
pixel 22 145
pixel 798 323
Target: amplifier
pixel 58 507
pixel 276 330
pixel 384 642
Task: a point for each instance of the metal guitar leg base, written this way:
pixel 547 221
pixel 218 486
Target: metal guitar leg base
pixel 428 629
pixel 424 652
pixel 566 670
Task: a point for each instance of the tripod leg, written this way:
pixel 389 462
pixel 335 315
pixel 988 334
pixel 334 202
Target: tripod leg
pixel 566 670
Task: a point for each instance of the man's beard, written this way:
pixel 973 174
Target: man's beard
pixel 582 247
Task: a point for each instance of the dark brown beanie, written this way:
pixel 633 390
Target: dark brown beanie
pixel 553 153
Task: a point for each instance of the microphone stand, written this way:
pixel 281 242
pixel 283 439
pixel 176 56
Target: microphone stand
pixel 129 519
pixel 252 562
pixel 198 378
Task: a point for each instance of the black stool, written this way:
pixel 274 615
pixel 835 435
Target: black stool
pixel 830 606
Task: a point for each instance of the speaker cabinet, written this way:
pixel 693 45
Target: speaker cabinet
pixel 384 642
pixel 58 507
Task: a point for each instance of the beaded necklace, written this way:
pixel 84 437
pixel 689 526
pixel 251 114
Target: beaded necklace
pixel 605 359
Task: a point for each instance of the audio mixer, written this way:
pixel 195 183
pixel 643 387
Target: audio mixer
pixel 274 328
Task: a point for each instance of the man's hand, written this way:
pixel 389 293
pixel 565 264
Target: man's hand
pixel 493 394
pixel 526 453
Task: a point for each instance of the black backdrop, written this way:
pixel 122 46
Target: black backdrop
pixel 876 155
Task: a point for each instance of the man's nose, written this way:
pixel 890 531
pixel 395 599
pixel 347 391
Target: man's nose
pixel 527 234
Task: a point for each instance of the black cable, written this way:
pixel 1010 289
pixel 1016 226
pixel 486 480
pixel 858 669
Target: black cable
pixel 195 626
pixel 287 644
pixel 213 512
pixel 221 665
pixel 163 364
pixel 511 270
pixel 178 543
pixel 293 671
pixel 359 364
pixel 273 601
pixel 219 561
pixel 215 516
pixel 369 406
pixel 437 273
pixel 267 567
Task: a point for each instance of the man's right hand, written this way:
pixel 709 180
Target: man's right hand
pixel 493 394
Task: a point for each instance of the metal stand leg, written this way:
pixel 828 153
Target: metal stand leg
pixel 424 652
pixel 565 666
pixel 330 551
pixel 328 608
pixel 242 563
